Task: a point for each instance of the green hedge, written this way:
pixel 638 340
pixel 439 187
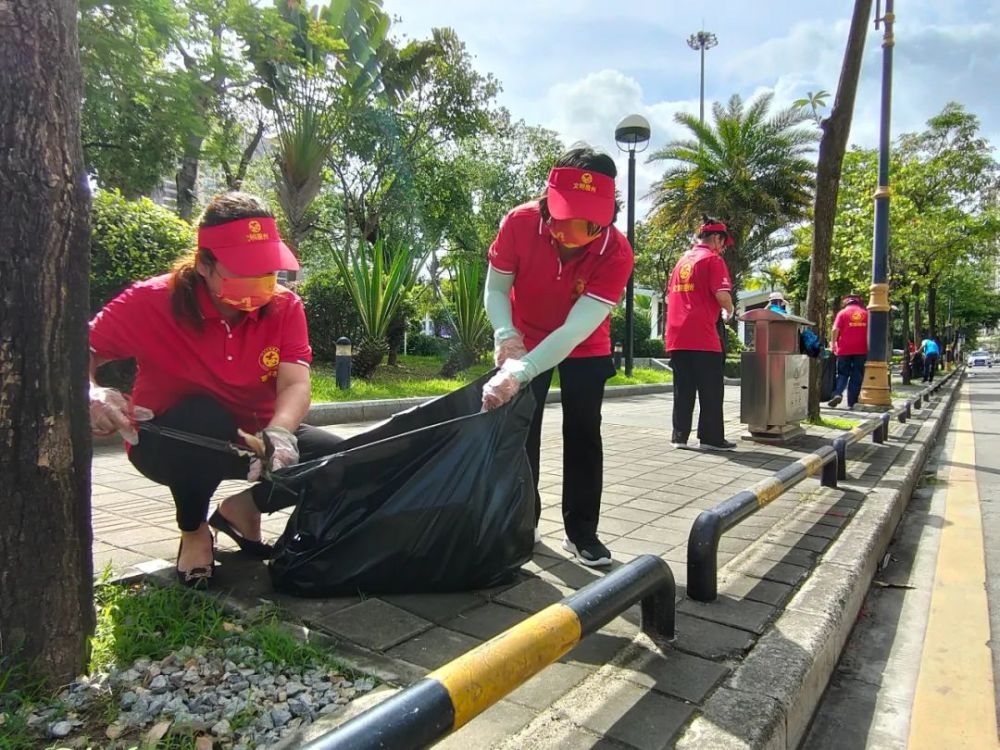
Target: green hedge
pixel 129 241
pixel 330 313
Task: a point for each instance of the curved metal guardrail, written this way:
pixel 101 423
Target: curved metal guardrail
pixel 450 697
pixel 830 461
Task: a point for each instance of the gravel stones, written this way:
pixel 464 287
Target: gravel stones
pixel 228 698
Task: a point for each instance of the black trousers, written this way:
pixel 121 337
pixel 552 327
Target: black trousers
pixel 698 374
pixel 581 381
pixel 930 365
pixel 193 474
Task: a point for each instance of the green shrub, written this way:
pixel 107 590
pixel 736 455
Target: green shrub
pixel 640 330
pixel 649 348
pixel 732 367
pixel 330 313
pixel 422 345
pixel 129 241
pixel 734 344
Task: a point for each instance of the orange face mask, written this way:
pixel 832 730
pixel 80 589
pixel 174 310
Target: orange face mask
pixel 573 233
pixel 247 293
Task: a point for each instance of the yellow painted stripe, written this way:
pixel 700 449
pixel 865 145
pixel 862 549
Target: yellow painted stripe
pixel 953 706
pixel 812 463
pixel 768 491
pixel 486 674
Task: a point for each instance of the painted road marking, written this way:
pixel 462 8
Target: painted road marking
pixel 953 706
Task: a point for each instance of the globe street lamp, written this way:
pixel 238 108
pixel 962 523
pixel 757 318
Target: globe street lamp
pixel 875 389
pixel 702 41
pixel 631 133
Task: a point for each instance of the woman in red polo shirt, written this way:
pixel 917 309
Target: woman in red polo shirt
pixel 220 347
pixel 557 267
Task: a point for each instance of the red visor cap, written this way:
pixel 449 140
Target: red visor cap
pixel 248 247
pixel 719 227
pixel 579 194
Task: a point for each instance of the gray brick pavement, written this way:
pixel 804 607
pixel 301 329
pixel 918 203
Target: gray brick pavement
pixel 652 495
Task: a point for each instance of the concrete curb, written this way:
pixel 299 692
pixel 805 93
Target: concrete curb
pixel 769 699
pixel 369 411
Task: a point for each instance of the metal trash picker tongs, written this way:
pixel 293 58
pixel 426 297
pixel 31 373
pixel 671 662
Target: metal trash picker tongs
pixel 256 447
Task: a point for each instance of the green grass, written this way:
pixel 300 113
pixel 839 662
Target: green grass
pixel 835 423
pixel 418 376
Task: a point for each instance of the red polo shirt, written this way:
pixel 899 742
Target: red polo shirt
pixel 545 288
pixel 852 322
pixel 692 309
pixel 237 364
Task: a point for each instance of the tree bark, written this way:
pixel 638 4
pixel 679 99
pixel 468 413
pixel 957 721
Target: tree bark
pixel 46 572
pixel 832 146
pixel 932 310
pixel 905 310
pixel 187 177
pixel 917 317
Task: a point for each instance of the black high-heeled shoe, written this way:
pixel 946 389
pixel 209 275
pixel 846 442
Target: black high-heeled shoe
pixel 258 550
pixel 196 577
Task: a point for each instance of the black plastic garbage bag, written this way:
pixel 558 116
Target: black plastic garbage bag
pixel 438 498
pixel 828 377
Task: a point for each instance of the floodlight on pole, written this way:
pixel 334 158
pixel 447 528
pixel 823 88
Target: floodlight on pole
pixel 700 42
pixel 631 135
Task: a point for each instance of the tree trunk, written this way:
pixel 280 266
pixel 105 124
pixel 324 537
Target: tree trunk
pixel 832 146
pixel 932 310
pixel 917 318
pixel 187 177
pixel 46 572
pixel 905 309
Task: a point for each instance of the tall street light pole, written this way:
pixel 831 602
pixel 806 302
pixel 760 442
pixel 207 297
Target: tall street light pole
pixel 631 133
pixel 875 389
pixel 702 41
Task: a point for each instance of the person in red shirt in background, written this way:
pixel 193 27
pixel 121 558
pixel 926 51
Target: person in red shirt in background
pixel 220 347
pixel 849 341
pixel 699 292
pixel 557 268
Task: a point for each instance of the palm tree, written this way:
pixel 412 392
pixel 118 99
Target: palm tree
pixel 747 168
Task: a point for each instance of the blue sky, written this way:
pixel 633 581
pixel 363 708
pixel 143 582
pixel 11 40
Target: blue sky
pixel 579 66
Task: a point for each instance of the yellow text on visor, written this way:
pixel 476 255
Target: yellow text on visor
pixel 573 232
pixel 247 293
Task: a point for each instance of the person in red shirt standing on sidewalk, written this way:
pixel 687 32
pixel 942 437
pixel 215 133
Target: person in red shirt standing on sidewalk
pixel 699 292
pixel 850 343
pixel 220 347
pixel 556 268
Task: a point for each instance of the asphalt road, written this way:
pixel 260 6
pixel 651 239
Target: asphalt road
pixel 920 666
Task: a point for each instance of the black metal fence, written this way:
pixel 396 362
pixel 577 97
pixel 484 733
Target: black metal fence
pixel 450 697
pixel 830 461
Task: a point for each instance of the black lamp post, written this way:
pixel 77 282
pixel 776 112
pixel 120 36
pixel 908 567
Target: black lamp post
pixel 631 133
pixel 875 389
pixel 700 42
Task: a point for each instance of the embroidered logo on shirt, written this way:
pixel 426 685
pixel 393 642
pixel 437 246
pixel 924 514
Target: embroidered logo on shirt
pixel 685 271
pixel 269 358
pixel 857 319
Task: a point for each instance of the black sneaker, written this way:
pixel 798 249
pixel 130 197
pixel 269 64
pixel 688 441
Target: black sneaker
pixel 834 402
pixel 592 554
pixel 679 443
pixel 725 445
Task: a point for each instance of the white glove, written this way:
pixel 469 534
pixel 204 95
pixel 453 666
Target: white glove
pixel 510 348
pixel 725 315
pixel 503 386
pixel 285 452
pixel 111 412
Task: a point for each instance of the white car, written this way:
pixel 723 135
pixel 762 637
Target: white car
pixel 981 358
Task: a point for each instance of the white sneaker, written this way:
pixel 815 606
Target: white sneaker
pixel 538 536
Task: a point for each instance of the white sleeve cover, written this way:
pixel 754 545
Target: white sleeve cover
pixel 497 301
pixel 583 319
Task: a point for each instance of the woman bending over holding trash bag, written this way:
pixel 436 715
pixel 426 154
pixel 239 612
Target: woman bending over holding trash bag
pixel 222 354
pixel 557 268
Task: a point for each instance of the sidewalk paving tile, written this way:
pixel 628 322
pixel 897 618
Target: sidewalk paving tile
pixel 652 495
